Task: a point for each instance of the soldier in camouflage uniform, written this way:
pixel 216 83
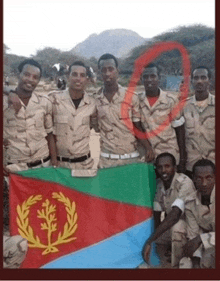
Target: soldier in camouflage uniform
pixel 199 115
pixel 200 218
pixel 156 107
pixel 118 144
pixel 27 143
pixel 174 190
pixel 27 129
pixel 72 110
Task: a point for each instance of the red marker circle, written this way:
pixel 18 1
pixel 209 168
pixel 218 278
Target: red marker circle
pixel 140 64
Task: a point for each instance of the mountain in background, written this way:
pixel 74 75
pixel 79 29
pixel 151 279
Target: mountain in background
pixel 118 42
pixel 199 40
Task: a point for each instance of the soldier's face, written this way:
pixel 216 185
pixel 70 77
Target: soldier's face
pixel 29 78
pixel 204 180
pixel 77 79
pixel 165 169
pixel 200 80
pixel 150 79
pixel 109 71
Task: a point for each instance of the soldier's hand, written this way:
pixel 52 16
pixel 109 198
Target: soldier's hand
pixel 146 252
pixel 54 162
pixel 15 101
pixel 149 155
pixel 191 246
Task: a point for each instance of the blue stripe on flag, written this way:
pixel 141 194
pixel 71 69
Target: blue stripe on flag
pixel 122 250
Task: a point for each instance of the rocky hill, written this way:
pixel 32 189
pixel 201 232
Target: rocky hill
pixel 199 40
pixel 118 42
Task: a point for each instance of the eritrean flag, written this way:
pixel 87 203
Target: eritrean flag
pixel 83 222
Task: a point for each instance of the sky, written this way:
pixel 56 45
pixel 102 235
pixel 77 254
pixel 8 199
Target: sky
pixel 31 25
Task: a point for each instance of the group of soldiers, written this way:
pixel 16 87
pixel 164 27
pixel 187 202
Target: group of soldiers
pixel 42 130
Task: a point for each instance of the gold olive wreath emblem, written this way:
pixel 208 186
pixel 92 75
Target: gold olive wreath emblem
pixel 47 214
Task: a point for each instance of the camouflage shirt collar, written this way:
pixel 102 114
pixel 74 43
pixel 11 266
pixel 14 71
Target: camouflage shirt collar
pixel 211 99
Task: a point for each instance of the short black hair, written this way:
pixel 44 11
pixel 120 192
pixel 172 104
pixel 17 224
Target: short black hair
pixel 78 63
pixel 165 154
pixel 30 62
pixel 202 67
pixel 107 56
pixel 203 163
pixel 150 65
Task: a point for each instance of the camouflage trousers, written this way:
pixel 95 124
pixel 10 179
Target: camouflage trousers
pixel 207 260
pixel 176 237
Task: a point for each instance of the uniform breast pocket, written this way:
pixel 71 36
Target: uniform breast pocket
pixel 102 111
pixel 86 120
pixel 10 123
pixel 39 121
pixel 61 125
pixel 190 123
pixel 189 119
pixel 160 119
pixel 210 124
pixel 10 128
pixel 101 114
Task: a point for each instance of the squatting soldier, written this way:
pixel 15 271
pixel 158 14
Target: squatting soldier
pixel 200 218
pixel 174 190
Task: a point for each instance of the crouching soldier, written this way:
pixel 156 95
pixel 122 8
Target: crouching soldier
pixel 173 191
pixel 199 251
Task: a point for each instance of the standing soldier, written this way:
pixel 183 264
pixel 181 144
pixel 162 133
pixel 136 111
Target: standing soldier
pixel 72 109
pixel 199 114
pixel 27 132
pixel 156 107
pixel 27 143
pixel 118 144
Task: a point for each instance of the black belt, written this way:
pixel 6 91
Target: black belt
pixel 36 163
pixel 74 160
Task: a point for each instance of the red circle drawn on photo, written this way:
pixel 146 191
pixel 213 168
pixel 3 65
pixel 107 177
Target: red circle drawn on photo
pixel 140 64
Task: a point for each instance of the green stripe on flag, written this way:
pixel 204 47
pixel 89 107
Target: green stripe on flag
pixel 134 184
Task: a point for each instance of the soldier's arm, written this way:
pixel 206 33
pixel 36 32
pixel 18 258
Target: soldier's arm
pixel 157 219
pixel 177 122
pixel 171 219
pixel 48 123
pixel 149 153
pixel 94 122
pixel 180 135
pixel 192 248
pixel 52 148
